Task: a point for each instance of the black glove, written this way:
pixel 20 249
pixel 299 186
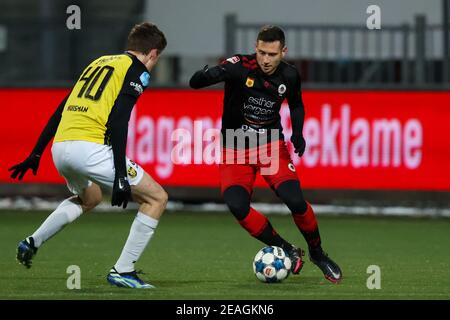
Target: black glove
pixel 32 162
pixel 121 192
pixel 299 144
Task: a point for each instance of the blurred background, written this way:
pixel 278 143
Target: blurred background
pixel 327 40
pixel 399 74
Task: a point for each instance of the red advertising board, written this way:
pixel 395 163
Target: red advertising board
pixel 355 139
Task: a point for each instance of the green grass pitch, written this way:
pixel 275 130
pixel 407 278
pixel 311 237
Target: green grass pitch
pixel 209 256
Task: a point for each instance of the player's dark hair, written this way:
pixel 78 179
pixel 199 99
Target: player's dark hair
pixel 271 33
pixel 145 37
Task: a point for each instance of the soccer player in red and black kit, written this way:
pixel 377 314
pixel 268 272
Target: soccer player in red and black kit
pixel 255 87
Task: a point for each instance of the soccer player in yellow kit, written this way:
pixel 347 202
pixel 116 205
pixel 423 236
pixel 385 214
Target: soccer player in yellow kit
pixel 90 129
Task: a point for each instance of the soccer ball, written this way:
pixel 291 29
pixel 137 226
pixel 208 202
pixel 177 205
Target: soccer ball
pixel 271 264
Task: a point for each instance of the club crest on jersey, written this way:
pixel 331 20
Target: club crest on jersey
pixel 234 59
pixel 250 82
pixel 281 89
pixel 145 78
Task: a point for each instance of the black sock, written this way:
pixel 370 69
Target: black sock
pixel 271 238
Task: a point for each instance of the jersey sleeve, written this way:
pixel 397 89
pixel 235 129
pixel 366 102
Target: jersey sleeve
pixel 50 129
pixel 119 131
pixel 295 101
pixel 294 94
pixel 228 70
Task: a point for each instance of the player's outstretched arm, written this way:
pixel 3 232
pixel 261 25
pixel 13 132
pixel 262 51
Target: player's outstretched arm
pixel 32 161
pixel 207 77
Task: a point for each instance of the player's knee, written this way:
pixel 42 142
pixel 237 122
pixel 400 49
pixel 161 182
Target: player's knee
pixel 238 201
pixel 291 194
pixel 159 199
pixel 239 209
pixel 90 203
pixel 296 205
pixel 90 198
pixel 163 198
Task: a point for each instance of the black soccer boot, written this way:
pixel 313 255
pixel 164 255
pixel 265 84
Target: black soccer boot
pixel 295 254
pixel 330 269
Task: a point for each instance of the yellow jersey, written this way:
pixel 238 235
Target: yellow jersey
pixel 93 98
